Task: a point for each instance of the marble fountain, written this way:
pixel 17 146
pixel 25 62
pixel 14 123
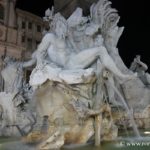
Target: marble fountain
pixel 80 91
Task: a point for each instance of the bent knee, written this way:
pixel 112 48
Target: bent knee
pixel 103 50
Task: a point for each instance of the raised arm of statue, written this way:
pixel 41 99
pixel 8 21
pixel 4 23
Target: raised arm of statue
pixel 138 65
pixel 142 65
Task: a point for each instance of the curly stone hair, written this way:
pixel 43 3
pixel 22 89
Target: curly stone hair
pixel 59 25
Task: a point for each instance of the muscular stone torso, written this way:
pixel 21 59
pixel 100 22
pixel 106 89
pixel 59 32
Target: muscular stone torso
pixel 58 53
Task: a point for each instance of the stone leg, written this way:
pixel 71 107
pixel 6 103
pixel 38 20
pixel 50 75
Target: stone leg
pixel 87 57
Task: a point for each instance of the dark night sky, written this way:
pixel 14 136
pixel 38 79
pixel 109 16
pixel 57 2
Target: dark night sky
pixel 135 17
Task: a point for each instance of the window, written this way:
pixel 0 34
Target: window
pixel 29 25
pixel 23 39
pixel 23 25
pixel 38 28
pixel 1 12
pixel 37 43
pixel 29 43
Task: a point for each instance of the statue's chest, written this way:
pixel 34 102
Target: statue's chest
pixel 57 56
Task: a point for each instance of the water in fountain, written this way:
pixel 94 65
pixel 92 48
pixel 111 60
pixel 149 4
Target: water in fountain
pixel 135 129
pixel 125 127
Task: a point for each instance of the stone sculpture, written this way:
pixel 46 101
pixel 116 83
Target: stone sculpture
pixel 13 100
pixel 73 85
pixel 63 61
pixel 141 68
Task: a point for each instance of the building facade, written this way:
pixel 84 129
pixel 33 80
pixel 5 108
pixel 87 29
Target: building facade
pixel 20 31
pixel 30 29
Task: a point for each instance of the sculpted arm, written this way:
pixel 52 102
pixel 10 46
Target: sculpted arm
pixel 137 63
pixel 39 55
pixel 143 65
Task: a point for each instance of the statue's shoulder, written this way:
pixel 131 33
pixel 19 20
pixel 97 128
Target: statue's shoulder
pixel 49 36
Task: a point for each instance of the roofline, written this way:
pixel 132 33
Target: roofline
pixel 20 11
